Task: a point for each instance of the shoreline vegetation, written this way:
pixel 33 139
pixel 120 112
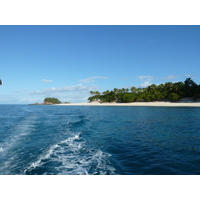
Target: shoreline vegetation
pixel 185 93
pixel 48 101
pixel 168 91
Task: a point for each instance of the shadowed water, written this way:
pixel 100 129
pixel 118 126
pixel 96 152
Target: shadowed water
pixel 82 140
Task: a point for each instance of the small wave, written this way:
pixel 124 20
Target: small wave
pixel 73 157
pixel 78 122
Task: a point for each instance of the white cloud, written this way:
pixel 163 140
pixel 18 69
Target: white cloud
pixel 92 79
pixel 146 80
pixel 46 81
pixel 73 93
pixel 73 88
pixel 145 84
pixel 170 77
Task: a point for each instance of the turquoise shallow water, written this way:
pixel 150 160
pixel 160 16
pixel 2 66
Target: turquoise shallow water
pixel 81 140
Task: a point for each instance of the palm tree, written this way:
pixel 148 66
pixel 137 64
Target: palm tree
pixel 168 86
pixel 133 89
pixel 151 88
pixel 94 93
pixel 123 90
pixel 106 92
pixel 190 87
pixel 91 92
pixel 161 87
pixel 139 90
pixel 116 90
pixel 177 87
pixel 189 82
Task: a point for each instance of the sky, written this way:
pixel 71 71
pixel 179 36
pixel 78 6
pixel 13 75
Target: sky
pixel 67 62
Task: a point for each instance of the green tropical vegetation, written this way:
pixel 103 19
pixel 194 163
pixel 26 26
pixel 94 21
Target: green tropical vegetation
pixel 51 100
pixel 167 91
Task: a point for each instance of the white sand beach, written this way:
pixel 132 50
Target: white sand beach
pixel 169 104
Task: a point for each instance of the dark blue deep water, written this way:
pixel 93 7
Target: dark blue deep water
pixel 39 140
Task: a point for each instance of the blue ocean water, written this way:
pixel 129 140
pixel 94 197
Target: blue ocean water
pixel 81 140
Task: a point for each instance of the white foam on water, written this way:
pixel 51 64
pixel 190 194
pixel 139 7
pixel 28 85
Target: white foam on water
pixel 1 149
pixel 6 164
pixel 52 151
pixel 18 132
pixel 75 158
pixel 8 147
pixel 41 159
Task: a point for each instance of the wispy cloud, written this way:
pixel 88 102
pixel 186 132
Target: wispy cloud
pixel 146 80
pixel 46 81
pixel 170 77
pixel 72 93
pixel 30 100
pixel 145 84
pixel 72 88
pixel 92 79
pixel 17 98
pixel 18 92
pixel 124 78
pixel 73 97
pixel 188 75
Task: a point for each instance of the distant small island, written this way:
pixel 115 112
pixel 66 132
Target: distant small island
pixel 168 91
pixel 49 101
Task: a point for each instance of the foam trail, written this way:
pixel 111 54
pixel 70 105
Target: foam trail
pixel 20 131
pixel 10 148
pixel 51 151
pixel 39 162
pixel 74 157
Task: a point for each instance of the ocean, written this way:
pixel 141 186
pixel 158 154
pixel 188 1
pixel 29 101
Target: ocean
pixel 99 140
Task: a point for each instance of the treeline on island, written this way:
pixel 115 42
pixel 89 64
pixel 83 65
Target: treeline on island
pixel 167 91
pixel 49 101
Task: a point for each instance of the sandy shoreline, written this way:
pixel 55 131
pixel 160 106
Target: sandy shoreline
pixel 167 104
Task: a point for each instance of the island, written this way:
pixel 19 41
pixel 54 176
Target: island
pixel 49 101
pixel 182 94
pixel 167 92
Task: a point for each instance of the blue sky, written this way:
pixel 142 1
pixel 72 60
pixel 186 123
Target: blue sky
pixel 67 62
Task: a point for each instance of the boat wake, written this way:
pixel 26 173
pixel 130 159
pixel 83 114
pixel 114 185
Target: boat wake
pixel 12 147
pixel 18 133
pixel 72 157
